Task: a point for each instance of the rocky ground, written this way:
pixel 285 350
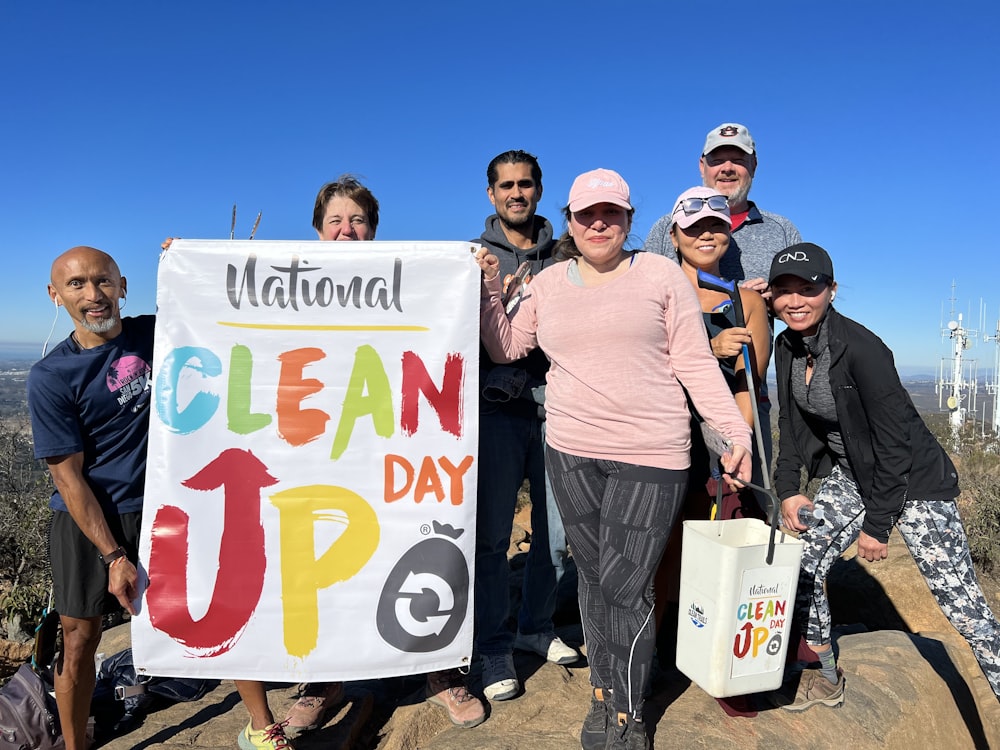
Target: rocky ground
pixel 911 683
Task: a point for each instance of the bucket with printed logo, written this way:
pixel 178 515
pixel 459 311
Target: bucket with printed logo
pixel 738 582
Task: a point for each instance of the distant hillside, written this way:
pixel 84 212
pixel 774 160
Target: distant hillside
pixel 14 368
pixel 922 391
pixel 13 394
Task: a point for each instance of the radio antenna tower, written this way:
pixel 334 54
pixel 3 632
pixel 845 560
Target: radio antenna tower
pixel 956 384
pixel 993 388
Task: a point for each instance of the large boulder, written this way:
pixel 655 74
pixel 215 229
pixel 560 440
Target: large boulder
pixel 912 684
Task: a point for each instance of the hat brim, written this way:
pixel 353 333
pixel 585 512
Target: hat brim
pixel 722 144
pixel 806 275
pixel 684 220
pixel 593 199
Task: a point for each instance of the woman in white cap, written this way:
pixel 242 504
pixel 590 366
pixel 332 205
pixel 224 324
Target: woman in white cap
pixel 700 231
pixel 846 418
pixel 623 332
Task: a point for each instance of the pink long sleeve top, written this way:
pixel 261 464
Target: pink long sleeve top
pixel 619 354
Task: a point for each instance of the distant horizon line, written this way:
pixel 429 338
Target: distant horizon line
pixel 33 351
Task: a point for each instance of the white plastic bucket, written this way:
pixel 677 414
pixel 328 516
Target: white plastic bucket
pixel 735 609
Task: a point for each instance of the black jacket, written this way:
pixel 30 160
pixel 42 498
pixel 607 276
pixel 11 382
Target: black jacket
pixel 892 455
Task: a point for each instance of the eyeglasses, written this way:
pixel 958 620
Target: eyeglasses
pixel 694 205
pixel 523 184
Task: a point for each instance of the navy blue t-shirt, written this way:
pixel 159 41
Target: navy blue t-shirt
pixel 97 401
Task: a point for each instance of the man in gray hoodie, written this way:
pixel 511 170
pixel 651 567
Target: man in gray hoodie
pixel 511 449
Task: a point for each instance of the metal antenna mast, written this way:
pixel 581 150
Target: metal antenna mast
pixel 993 388
pixel 956 384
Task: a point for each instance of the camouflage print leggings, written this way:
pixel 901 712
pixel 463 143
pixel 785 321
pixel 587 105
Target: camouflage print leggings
pixel 933 533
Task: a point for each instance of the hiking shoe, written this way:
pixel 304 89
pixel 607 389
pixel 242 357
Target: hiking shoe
pixel 548 645
pixel 499 678
pixel 627 735
pixel 814 690
pixel 594 735
pixel 313 707
pixel 271 737
pixel 447 689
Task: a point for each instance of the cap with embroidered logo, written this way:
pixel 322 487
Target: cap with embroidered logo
pixel 729 134
pixel 805 260
pixel 598 186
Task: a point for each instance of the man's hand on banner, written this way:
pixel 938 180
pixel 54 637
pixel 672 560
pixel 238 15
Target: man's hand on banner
pixel 122 578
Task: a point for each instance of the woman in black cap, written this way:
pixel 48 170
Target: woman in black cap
pixel 846 418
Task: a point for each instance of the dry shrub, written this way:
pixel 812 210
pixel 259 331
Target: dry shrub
pixel 980 500
pixel 24 524
pixel 978 463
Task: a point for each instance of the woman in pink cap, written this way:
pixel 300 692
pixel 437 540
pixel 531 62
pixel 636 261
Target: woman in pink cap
pixel 623 332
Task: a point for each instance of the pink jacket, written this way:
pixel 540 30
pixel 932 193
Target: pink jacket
pixel 620 353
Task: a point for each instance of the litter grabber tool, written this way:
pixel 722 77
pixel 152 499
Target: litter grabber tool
pixel 718 445
pixel 730 289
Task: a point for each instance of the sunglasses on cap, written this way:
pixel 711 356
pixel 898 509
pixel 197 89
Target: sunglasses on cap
pixel 694 205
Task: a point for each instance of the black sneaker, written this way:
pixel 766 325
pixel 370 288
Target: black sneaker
pixel 627 735
pixel 594 735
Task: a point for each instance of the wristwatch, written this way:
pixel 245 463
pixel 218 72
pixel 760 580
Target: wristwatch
pixel 113 555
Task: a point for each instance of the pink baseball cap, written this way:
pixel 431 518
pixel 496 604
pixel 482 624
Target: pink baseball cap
pixel 598 186
pixel 687 209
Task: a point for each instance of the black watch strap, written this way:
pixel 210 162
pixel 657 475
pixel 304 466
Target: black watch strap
pixel 113 555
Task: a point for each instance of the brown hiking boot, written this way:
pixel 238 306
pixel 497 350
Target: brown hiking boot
pixel 815 690
pixel 312 709
pixel 447 689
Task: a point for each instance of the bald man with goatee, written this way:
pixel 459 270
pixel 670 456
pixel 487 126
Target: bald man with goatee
pixel 89 401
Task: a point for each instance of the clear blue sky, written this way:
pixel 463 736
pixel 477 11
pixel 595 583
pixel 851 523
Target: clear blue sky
pixel 876 124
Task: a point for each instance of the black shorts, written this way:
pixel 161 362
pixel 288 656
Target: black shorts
pixel 79 576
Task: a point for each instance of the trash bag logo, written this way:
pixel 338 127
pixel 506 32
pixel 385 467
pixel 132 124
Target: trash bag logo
pixel 426 595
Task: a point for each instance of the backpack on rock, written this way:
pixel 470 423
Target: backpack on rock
pixel 29 719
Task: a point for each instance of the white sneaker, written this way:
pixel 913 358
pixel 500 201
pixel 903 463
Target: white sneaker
pixel 499 678
pixel 548 645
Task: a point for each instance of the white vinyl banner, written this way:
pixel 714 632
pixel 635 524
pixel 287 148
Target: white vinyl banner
pixel 311 484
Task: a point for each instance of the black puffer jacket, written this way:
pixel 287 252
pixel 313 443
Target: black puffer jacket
pixel 892 455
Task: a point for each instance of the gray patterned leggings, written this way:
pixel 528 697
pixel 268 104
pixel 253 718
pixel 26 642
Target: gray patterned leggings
pixel 618 517
pixel 933 533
